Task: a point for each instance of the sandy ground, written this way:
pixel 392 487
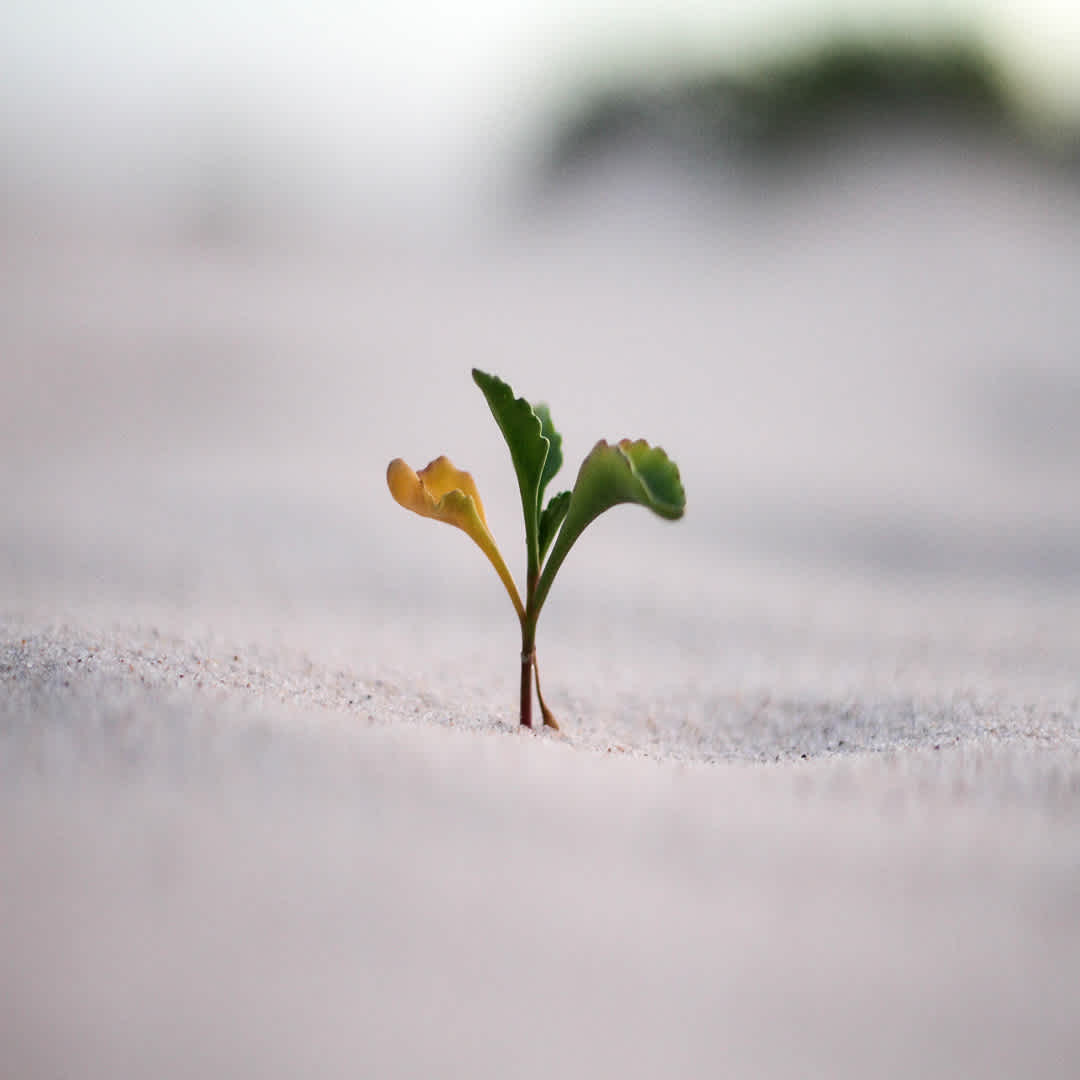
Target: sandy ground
pixel 815 810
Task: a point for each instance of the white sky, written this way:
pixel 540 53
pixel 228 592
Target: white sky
pixel 444 79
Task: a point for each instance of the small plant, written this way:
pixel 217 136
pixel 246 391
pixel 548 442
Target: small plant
pixel 626 472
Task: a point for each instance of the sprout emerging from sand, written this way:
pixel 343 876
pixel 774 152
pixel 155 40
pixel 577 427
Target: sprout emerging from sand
pixel 624 472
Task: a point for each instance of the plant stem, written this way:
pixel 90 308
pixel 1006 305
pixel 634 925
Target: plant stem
pixel 528 644
pixel 548 715
pixel 526 686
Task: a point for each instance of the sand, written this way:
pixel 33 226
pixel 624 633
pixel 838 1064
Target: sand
pixel 815 806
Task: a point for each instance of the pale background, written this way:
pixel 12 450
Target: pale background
pixel 263 807
pixel 336 114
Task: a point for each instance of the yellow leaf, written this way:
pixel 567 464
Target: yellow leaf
pixel 446 493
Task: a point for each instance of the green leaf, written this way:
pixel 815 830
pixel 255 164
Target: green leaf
pixel 628 472
pixel 523 431
pixel 551 519
pixel 554 458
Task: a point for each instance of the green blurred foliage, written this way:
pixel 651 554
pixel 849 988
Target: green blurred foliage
pixel 776 112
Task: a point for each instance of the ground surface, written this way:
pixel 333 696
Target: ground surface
pixel 815 810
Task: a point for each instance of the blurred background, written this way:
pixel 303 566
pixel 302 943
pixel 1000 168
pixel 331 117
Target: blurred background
pixel 826 254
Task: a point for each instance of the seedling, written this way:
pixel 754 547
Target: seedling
pixel 626 472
